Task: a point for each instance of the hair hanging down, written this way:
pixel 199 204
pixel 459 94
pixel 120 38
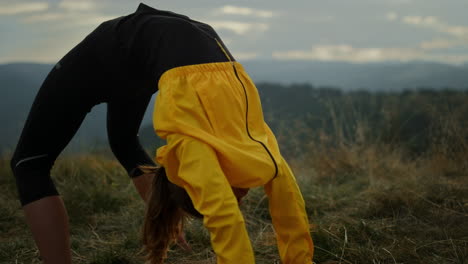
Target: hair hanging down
pixel 167 208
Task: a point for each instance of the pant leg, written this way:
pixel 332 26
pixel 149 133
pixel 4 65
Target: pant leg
pixel 193 165
pixel 55 116
pixel 66 96
pixel 287 210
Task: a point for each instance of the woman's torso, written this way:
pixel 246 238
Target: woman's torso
pixel 129 54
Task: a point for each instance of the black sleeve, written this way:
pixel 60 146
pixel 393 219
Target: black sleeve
pixel 123 122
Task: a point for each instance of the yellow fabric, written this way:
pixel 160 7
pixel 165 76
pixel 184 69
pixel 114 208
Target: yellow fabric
pixel 201 112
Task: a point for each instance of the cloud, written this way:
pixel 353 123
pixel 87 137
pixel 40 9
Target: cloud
pixel 458 31
pixel 71 13
pixel 239 28
pixel 436 24
pixel 82 5
pixel 44 17
pixel 21 8
pixel 69 19
pixel 441 44
pixel 429 21
pixel 458 37
pixel 244 11
pixel 391 16
pixel 350 54
pixel 245 55
pixel 47 49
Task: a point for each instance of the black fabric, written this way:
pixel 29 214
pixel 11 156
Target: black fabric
pixel 34 180
pixel 154 41
pixel 119 63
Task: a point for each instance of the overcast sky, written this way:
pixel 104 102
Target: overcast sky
pixel 326 30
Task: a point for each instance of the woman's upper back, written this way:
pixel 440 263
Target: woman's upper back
pixel 143 45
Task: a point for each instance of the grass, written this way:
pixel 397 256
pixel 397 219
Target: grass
pixel 369 201
pixel 371 207
pixel 365 204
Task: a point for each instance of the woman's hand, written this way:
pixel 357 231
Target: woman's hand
pixel 182 243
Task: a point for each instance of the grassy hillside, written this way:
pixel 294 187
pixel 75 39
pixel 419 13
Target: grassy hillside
pixel 377 189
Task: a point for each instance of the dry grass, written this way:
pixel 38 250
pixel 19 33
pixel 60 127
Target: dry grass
pixel 372 206
pixel 368 202
pixel 366 205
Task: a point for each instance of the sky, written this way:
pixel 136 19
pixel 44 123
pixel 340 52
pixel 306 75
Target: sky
pixel 357 31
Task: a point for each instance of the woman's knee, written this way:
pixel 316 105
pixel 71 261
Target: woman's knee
pixel 32 174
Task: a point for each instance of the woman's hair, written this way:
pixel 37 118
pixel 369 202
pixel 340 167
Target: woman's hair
pixel 168 207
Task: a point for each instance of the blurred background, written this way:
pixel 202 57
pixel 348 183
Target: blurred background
pixel 365 45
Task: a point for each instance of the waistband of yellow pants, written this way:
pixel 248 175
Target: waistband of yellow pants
pixel 197 68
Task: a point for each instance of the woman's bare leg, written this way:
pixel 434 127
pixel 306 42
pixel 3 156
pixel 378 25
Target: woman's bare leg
pixel 48 221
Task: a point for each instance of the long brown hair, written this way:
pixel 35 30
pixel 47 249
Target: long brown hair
pixel 168 207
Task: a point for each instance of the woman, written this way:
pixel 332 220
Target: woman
pixel 214 142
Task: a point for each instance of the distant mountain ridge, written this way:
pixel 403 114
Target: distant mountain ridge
pixel 370 76
pixel 19 82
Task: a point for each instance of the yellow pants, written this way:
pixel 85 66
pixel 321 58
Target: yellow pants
pixel 211 116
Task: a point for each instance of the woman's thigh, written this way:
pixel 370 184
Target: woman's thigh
pixel 61 104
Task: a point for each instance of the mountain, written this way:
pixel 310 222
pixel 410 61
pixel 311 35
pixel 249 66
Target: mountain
pixel 389 76
pixel 20 82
